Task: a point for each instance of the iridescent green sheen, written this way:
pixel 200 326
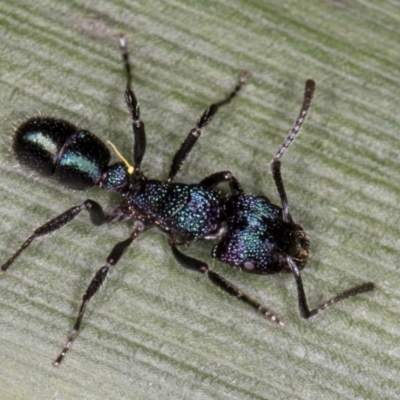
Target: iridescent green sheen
pixel 200 213
pixel 160 201
pixel 54 147
pixel 115 178
pixel 257 238
pixel 38 141
pixel 81 163
pixel 83 160
pixel 185 210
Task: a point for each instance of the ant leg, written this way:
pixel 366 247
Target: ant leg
pixel 222 283
pixel 95 285
pixel 276 164
pixel 204 120
pixel 219 177
pixel 305 311
pixel 133 107
pixel 97 217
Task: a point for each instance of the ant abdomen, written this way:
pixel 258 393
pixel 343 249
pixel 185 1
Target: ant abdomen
pixel 54 147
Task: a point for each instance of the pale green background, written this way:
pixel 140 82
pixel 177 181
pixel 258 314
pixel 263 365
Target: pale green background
pixel 157 331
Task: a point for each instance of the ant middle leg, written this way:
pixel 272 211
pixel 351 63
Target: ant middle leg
pixel 204 120
pixel 222 283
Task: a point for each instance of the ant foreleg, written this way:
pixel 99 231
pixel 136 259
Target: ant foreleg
pixel 222 283
pixel 304 309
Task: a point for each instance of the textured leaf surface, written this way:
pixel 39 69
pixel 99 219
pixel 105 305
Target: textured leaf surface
pixel 156 331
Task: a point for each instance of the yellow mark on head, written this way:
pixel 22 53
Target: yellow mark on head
pixel 130 167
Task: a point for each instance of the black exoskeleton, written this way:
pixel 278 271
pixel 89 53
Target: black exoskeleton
pixel 253 234
pixel 80 160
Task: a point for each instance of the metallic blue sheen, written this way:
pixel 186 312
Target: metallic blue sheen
pixel 115 178
pixel 257 239
pixel 189 211
pixel 83 160
pixel 81 163
pixel 38 141
pixel 200 213
pixel 43 141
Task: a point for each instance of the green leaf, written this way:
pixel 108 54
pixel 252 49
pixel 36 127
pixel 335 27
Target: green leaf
pixel 157 331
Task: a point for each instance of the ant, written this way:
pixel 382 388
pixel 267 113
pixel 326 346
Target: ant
pixel 185 212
